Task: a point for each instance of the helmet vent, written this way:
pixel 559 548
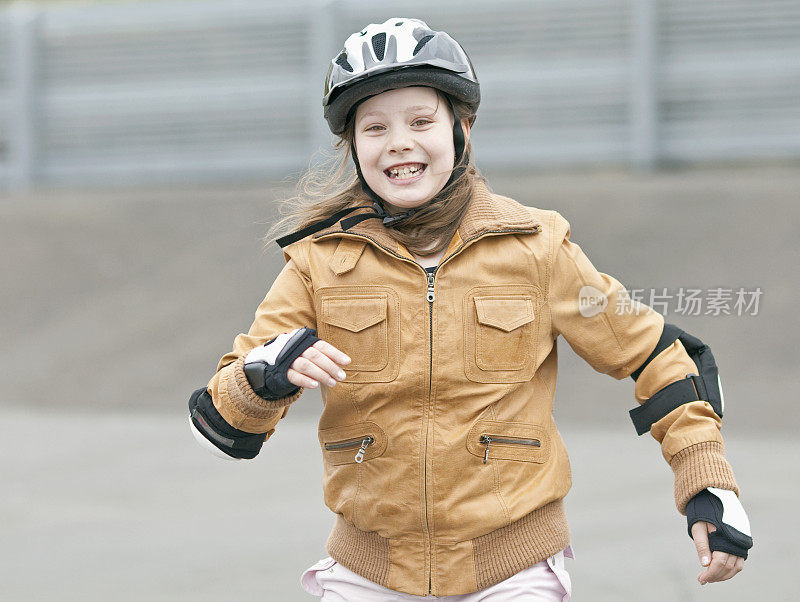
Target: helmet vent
pixel 395 54
pixel 422 43
pixel 341 60
pixel 379 45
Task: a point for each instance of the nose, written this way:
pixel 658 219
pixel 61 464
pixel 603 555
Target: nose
pixel 399 141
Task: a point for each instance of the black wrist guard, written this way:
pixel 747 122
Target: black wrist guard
pixel 229 440
pixel 710 507
pixel 268 380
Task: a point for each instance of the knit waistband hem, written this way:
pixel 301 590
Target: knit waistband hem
pixel 453 569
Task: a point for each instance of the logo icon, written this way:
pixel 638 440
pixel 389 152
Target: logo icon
pixel 591 301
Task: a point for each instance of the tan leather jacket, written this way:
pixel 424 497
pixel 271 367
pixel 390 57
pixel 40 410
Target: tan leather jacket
pixel 441 457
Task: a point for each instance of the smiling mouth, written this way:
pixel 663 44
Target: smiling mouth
pixel 404 172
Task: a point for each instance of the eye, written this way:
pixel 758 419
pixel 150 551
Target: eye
pixel 373 128
pixel 421 121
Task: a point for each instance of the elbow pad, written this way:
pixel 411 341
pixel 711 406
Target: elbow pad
pixel 722 509
pixel 703 386
pixel 212 431
pixel 266 366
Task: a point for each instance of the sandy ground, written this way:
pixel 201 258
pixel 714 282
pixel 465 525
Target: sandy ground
pixel 127 507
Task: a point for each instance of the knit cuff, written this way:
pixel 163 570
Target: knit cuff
pixel 245 400
pixel 700 466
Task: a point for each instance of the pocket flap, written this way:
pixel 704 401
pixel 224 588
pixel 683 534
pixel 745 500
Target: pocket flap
pixel 354 314
pixel 505 313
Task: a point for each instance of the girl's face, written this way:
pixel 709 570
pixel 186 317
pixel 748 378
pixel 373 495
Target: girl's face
pixel 404 141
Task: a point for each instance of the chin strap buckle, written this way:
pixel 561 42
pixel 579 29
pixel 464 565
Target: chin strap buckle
pixel 391 220
pixel 388 219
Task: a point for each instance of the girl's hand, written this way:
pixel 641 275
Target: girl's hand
pixel 320 363
pixel 720 566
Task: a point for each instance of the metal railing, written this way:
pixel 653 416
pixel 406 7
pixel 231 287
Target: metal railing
pixel 186 91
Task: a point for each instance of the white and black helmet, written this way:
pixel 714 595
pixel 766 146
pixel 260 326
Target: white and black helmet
pixel 395 54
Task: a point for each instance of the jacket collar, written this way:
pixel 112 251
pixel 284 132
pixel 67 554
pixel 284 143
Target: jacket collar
pixel 494 213
pixel 487 214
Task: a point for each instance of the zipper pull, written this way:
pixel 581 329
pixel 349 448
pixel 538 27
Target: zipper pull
pixel 360 453
pixel 487 440
pixel 430 296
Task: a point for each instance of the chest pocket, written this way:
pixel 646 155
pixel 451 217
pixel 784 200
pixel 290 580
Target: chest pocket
pixel 500 333
pixel 365 326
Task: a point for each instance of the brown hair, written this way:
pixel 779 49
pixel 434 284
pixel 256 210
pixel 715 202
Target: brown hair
pixel 333 185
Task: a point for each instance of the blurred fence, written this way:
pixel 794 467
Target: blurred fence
pixel 198 90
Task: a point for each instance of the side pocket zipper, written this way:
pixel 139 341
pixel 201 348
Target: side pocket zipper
pixel 362 442
pixel 487 439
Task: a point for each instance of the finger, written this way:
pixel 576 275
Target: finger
pixel 332 370
pixel 301 380
pixel 716 570
pixel 734 565
pixel 729 572
pixel 332 352
pixel 306 367
pixel 729 566
pixel 700 536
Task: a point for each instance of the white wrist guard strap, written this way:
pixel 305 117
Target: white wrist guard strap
pixel 722 509
pixel 266 366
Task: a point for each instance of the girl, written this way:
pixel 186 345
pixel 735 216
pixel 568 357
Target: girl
pixel 443 303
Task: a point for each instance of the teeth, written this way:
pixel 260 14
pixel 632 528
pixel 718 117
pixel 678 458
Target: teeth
pixel 405 172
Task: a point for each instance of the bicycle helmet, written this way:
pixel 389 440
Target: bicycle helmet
pixel 395 54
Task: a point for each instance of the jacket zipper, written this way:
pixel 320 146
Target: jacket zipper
pixel 361 443
pixel 487 439
pixel 430 297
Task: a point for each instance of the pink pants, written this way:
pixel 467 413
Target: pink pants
pixel 546 581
